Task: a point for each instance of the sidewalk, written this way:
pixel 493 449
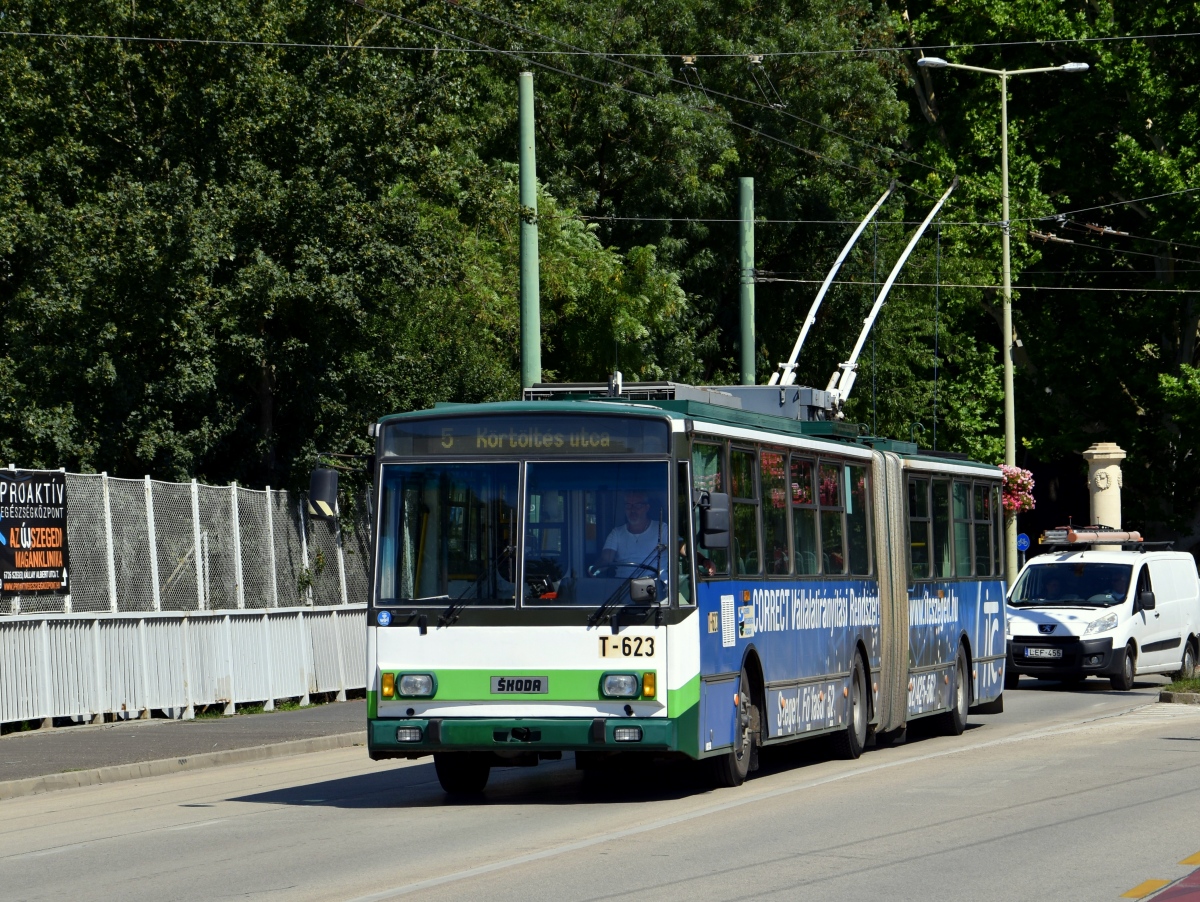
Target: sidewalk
pixel 45 760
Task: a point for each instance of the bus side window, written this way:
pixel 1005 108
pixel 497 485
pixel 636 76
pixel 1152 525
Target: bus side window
pixel 775 511
pixel 961 504
pixel 941 529
pixel 804 518
pixel 830 494
pixel 858 520
pixel 708 475
pixel 687 594
pixel 997 531
pixel 918 527
pixel 984 559
pixel 744 483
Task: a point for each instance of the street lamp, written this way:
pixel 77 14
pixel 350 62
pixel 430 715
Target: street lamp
pixel 1010 425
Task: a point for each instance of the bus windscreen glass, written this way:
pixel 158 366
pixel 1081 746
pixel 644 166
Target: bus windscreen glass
pixel 447 532
pixel 591 527
pixel 529 435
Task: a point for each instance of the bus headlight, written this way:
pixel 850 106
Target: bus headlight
pixel 416 685
pixel 1102 624
pixel 620 685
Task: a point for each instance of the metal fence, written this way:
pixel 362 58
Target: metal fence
pixel 184 594
pixel 86 666
pixel 139 545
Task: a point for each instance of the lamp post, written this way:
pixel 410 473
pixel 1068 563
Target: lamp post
pixel 1010 425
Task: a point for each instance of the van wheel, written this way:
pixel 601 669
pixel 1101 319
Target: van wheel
pixel 954 721
pixel 1188 669
pixel 731 768
pixel 849 742
pixel 1123 681
pixel 462 773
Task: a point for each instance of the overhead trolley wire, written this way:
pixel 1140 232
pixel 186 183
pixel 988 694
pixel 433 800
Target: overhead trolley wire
pixel 995 287
pixel 613 59
pixel 520 55
pixel 843 51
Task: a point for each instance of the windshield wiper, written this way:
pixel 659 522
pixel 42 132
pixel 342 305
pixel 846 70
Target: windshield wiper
pixel 611 602
pixel 451 614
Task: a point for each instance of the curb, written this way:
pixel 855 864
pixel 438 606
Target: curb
pixel 1180 698
pixel 118 772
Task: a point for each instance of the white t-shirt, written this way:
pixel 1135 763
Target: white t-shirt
pixel 636 548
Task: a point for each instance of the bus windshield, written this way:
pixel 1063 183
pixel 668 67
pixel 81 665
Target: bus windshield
pixel 1076 584
pixel 446 533
pixel 590 527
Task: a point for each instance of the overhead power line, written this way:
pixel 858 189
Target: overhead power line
pixel 835 51
pixel 613 59
pixel 869 283
pixel 725 120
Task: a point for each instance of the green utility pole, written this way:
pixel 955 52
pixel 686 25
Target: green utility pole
pixel 746 245
pixel 531 313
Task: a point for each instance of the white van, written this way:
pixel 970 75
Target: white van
pixel 1115 614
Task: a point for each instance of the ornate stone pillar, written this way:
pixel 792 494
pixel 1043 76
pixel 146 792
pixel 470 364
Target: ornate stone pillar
pixel 1104 483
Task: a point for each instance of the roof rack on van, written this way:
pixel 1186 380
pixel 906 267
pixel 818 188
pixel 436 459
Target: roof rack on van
pixel 1073 536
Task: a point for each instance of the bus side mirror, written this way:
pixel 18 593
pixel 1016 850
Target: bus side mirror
pixel 714 520
pixel 322 494
pixel 1146 601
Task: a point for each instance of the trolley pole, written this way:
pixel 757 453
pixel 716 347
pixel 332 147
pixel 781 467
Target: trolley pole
pixel 746 245
pixel 531 314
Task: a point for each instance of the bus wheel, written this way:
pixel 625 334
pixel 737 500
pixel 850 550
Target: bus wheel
pixel 462 773
pixel 849 743
pixel 731 768
pixel 954 721
pixel 1123 681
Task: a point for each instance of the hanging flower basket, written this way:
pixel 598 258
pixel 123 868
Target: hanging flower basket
pixel 1017 492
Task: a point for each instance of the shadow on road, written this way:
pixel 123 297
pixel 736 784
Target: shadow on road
pixel 551 783
pixel 554 783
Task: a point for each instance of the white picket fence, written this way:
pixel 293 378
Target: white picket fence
pixel 86 666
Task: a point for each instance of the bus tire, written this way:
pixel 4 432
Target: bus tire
pixel 954 721
pixel 849 742
pixel 1122 681
pixel 731 768
pixel 462 773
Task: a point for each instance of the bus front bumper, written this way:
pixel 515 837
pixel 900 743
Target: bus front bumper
pixel 396 737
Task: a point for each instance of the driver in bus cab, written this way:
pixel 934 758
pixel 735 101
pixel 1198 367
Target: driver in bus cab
pixel 636 540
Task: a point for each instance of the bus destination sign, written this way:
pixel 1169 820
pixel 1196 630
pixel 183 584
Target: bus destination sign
pixel 33 531
pixel 549 435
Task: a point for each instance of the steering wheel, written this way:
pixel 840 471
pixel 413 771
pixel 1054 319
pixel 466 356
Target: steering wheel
pixel 611 567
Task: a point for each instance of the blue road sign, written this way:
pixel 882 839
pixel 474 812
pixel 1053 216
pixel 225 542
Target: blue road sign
pixel 1022 542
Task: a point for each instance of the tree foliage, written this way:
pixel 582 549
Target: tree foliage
pixel 219 259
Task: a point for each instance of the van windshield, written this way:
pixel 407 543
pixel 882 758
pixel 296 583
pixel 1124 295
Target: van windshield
pixel 1076 584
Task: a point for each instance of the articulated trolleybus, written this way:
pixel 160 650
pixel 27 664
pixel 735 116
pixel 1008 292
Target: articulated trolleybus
pixel 662 570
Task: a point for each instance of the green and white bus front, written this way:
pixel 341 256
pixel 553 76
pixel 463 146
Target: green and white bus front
pixel 529 567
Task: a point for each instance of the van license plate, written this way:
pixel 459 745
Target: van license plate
pixel 1043 652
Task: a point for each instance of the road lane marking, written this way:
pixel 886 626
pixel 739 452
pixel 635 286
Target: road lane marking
pixel 1192 859
pixel 1145 888
pixel 663 823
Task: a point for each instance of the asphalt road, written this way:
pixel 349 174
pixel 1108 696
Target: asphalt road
pixel 1078 793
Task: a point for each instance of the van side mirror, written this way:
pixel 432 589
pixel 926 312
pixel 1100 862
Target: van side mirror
pixel 1146 601
pixel 322 494
pixel 714 520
